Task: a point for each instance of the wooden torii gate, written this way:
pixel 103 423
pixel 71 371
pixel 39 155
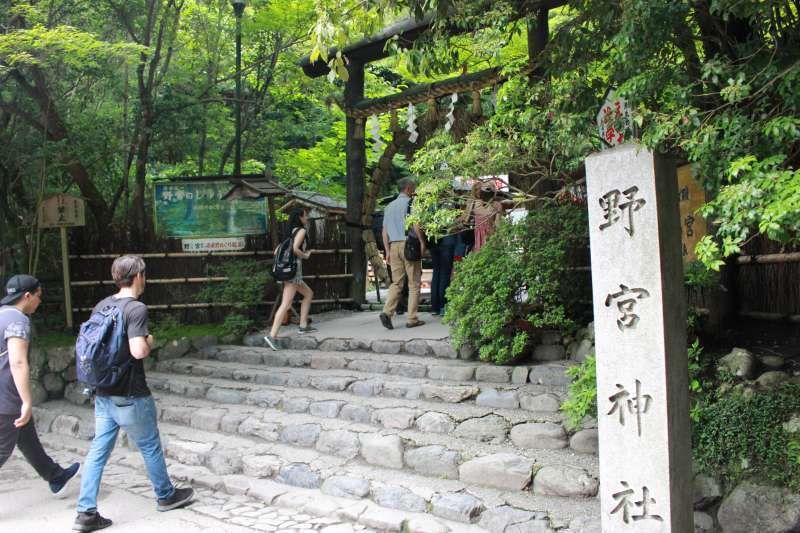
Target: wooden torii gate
pixel 357 108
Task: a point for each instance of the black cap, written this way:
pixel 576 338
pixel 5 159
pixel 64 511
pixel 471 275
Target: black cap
pixel 17 286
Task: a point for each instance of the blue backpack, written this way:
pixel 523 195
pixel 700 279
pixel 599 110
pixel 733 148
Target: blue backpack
pixel 99 345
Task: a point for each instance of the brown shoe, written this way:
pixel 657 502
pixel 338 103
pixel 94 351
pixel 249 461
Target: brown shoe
pixel 386 321
pixel 415 323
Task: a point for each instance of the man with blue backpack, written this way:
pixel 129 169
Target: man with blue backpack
pixel 110 351
pixel 23 296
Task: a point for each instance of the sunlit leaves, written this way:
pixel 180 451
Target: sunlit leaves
pixel 42 45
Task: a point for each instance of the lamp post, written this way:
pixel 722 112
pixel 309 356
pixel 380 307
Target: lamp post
pixel 238 10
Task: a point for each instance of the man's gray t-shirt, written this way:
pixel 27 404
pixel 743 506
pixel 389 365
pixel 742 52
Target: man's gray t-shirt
pixel 394 218
pixel 13 323
pixel 133 383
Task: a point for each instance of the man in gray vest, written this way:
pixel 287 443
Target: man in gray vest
pixel 394 238
pixel 23 296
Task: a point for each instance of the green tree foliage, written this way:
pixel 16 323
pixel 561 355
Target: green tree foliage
pixel 101 98
pixel 713 82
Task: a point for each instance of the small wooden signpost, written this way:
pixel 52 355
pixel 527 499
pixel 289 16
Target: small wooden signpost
pixel 63 211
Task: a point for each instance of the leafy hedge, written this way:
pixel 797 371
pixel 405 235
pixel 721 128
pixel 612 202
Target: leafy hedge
pixel 741 436
pixel 243 291
pixel 518 281
pixel 582 400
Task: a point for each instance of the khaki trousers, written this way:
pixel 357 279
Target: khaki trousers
pixel 400 270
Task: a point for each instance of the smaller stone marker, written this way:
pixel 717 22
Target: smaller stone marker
pixel 640 330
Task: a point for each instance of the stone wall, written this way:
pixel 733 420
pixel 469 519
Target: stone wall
pixel 53 368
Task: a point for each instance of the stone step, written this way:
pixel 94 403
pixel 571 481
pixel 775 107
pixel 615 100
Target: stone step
pixel 544 443
pixel 370 474
pixel 362 383
pixel 428 453
pixel 340 512
pixel 550 350
pixel 523 429
pixel 439 348
pixel 417 366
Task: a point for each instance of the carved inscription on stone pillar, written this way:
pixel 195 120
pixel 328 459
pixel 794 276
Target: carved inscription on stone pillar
pixel 639 313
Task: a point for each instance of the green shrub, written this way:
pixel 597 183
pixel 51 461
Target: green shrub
pixel 740 436
pixel 166 328
pixel 237 325
pixel 243 291
pixel 697 275
pixel 582 399
pixel 517 282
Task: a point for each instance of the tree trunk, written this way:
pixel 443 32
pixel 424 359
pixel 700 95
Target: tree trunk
pixel 150 72
pixel 56 131
pixel 538 34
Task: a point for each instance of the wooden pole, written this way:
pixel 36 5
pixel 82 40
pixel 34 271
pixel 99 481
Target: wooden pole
pixel 356 162
pixel 65 268
pixel 273 222
pixel 476 102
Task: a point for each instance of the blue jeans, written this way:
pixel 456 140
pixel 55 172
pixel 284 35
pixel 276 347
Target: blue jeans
pixel 442 258
pixel 137 416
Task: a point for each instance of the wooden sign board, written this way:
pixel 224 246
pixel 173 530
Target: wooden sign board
pixel 61 211
pixel 222 244
pixel 691 197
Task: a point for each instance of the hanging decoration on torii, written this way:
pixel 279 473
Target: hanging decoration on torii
pixel 412 126
pixel 375 128
pixel 451 119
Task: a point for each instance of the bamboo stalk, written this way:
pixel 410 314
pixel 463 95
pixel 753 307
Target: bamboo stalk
pixel 770 317
pixel 164 281
pixel 198 254
pixel 168 281
pixel 328 276
pixel 209 304
pixel 793 257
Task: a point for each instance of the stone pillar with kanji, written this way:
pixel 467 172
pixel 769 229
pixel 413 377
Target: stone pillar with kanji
pixel 640 329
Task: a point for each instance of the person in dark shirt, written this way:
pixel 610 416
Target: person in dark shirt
pixel 128 405
pixel 23 296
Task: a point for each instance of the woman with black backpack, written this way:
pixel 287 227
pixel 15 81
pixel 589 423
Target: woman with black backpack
pixel 298 218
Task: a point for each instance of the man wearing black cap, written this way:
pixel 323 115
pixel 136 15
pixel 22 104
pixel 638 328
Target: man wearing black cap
pixel 23 296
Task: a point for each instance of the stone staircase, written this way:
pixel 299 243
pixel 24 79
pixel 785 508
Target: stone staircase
pixel 393 435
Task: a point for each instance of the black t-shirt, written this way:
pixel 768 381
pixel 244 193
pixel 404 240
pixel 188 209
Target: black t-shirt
pixel 13 323
pixel 133 382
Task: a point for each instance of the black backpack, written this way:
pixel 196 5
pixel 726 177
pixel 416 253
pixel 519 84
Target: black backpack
pixel 285 266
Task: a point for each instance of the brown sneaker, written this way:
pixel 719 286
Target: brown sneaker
pixel 415 323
